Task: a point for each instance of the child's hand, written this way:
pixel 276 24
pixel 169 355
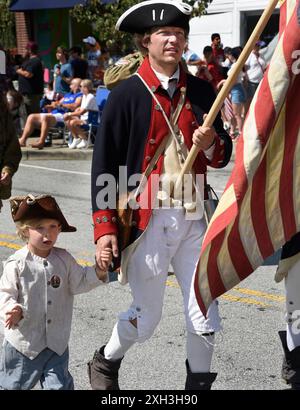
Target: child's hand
pixel 106 259
pixel 13 317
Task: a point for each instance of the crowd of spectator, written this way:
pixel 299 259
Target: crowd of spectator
pixel 38 104
pixel 215 66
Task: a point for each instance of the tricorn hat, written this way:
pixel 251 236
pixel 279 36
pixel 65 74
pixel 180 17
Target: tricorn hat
pixel 155 13
pixel 38 207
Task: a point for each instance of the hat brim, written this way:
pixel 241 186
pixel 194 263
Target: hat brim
pixel 154 13
pixel 44 207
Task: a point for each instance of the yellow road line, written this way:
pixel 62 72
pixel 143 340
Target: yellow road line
pixel 258 293
pixel 6 236
pixel 10 245
pixel 249 301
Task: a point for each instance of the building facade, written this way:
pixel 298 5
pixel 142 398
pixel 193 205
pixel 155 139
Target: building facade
pixel 234 20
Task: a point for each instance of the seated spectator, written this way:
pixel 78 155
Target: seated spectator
pixel 75 120
pixel 55 117
pixel 48 96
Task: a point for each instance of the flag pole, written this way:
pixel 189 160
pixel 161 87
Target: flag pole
pixel 209 120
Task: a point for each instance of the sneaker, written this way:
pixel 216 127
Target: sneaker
pixel 75 143
pixel 83 144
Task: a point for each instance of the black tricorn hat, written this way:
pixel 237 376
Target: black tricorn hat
pixel 155 13
pixel 38 207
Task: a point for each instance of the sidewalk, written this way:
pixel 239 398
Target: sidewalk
pixel 58 150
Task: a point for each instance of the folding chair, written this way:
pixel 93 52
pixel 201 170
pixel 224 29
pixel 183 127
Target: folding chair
pixel 92 126
pixel 101 97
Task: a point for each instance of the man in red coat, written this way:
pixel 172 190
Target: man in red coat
pixel 166 228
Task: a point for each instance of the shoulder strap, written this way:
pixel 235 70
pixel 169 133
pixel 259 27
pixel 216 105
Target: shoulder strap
pixel 163 143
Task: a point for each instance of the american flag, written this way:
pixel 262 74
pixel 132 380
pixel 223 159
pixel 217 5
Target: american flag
pixel 260 208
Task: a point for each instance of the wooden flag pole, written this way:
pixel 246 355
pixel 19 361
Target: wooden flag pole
pixel 209 120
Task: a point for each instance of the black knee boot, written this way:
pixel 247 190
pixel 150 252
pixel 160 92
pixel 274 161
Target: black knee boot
pixel 291 363
pixel 198 381
pixel 103 373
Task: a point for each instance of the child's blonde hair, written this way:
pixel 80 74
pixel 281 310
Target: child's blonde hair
pixel 28 223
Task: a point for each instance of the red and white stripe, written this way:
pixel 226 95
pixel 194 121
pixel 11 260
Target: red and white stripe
pixel 260 207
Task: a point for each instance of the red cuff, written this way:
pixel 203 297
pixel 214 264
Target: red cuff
pixel 105 223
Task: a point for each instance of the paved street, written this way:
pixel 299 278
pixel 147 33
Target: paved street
pixel 248 351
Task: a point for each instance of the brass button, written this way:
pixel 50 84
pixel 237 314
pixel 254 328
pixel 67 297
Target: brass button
pixel 182 89
pixel 151 141
pixel 148 158
pixel 98 220
pixel 188 106
pixel 153 88
pixel 157 107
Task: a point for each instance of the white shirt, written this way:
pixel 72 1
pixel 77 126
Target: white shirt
pixel 255 68
pixel 89 103
pixel 30 282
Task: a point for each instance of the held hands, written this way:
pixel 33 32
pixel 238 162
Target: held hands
pixel 13 317
pixel 104 242
pixel 204 137
pixel 106 259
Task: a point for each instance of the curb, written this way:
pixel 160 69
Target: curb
pixel 56 153
pixel 58 150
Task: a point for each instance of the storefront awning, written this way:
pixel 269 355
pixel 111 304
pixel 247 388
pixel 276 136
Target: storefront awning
pixel 26 5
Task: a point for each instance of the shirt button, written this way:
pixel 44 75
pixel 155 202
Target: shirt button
pixel 49 302
pixel 48 283
pixel 45 263
pixel 49 321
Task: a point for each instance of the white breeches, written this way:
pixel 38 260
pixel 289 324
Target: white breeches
pixel 292 285
pixel 169 239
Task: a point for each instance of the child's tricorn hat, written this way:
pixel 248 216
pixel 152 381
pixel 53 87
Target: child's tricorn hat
pixel 38 207
pixel 155 13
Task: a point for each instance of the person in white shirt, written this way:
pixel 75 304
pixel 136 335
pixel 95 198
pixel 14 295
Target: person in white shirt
pixel 37 289
pixel 78 119
pixel 255 67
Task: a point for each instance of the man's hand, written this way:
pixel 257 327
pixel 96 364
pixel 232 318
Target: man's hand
pixel 204 137
pixel 5 178
pixel 106 241
pixel 13 317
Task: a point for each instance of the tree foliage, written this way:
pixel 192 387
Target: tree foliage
pixel 103 17
pixel 7 25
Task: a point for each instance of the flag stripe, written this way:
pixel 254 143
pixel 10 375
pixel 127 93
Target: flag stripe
pixel 259 209
pixel 275 157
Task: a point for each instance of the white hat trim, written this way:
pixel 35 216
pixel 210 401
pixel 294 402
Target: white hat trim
pixel 183 7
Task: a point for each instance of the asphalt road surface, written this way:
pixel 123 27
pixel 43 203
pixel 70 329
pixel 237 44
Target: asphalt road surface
pixel 247 353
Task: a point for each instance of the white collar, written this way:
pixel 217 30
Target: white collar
pixel 164 79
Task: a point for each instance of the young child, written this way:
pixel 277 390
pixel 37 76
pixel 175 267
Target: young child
pixel 37 289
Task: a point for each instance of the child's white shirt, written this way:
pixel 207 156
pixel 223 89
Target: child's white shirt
pixel 44 288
